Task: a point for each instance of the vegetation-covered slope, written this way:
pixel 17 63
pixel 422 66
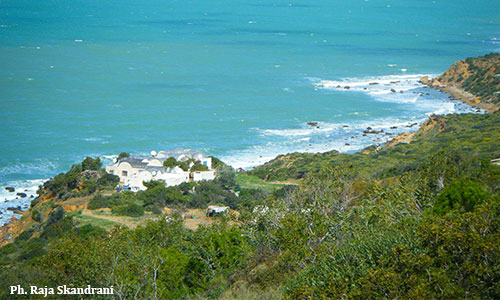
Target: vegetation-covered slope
pixel 479 77
pixel 473 135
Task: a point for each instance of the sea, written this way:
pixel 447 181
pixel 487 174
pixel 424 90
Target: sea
pixel 237 79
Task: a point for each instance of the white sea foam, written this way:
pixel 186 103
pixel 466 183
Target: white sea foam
pixel 108 159
pixel 390 88
pixel 94 139
pixel 348 135
pixel 12 199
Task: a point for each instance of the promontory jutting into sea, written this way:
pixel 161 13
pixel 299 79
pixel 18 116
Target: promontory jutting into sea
pixel 240 80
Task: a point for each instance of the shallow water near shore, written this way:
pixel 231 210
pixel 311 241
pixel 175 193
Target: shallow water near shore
pixel 238 79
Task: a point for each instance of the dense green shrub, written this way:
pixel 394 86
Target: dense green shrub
pixel 198 166
pixel 158 194
pixel 25 235
pixel 91 164
pixel 36 215
pixel 170 162
pixel 123 155
pixel 131 210
pixel 108 180
pixel 55 216
pixel 90 231
pixel 461 195
pixel 100 201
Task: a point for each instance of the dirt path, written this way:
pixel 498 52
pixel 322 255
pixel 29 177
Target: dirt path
pixel 104 214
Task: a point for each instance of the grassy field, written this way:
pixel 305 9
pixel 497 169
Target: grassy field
pixel 247 181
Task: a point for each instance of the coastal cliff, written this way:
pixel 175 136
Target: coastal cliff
pixel 474 81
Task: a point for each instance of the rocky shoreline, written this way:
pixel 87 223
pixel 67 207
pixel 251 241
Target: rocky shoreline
pixel 459 94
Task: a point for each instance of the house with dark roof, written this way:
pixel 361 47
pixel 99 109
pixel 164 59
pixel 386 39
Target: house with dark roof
pixel 135 170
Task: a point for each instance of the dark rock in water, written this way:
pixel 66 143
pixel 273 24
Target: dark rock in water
pixel 364 134
pixel 369 128
pixel 346 87
pixel 369 131
pixel 312 124
pixel 394 127
pixel 373 83
pixel 16 210
pixel 31 196
pixel 401 91
pixel 427 94
pixel 393 90
pixel 347 144
pixel 364 88
pixel 345 126
pixel 10 189
pixel 388 133
pixel 338 86
pixel 22 195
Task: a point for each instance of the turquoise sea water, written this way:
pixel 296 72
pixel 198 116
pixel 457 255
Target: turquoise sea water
pixel 236 79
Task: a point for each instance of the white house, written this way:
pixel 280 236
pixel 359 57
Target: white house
pixel 135 170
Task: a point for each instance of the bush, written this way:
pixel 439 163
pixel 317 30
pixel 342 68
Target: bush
pixel 170 162
pixel 462 194
pixel 217 163
pixel 130 210
pixel 156 210
pixel 108 180
pixel 26 235
pixel 91 164
pixel 158 194
pixel 56 230
pixel 123 155
pixel 88 187
pixel 8 249
pixel 198 166
pixel 55 216
pixel 227 179
pixel 36 215
pixel 100 201
pixel 88 230
pixel 34 202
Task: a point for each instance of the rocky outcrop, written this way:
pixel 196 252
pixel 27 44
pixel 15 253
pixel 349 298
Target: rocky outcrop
pixel 474 81
pixel 431 126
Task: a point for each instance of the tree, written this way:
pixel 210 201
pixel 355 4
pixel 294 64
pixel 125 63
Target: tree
pixel 123 155
pixel 170 162
pixel 91 164
pixel 198 166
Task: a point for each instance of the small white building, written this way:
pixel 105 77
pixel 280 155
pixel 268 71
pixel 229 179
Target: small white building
pixel 135 170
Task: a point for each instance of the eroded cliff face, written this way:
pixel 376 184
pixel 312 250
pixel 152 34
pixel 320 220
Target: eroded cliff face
pixel 475 81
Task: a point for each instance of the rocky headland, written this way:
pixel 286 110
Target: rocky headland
pixel 474 81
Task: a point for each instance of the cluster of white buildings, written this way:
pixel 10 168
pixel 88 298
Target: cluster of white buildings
pixel 135 170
